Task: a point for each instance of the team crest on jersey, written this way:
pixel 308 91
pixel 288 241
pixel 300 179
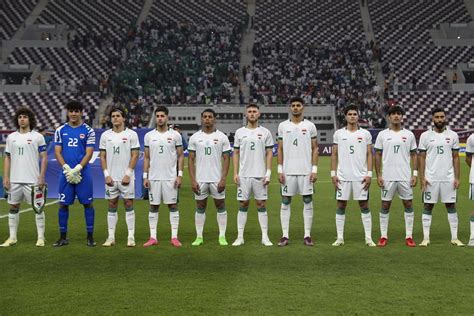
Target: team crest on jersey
pixel 448 140
pixel 404 139
pixel 29 141
pixel 304 131
pixel 169 140
pixel 82 136
pixel 216 141
pixel 359 139
pixel 259 136
pixel 124 139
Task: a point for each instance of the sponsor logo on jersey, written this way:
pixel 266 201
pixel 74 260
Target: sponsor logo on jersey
pixel 82 136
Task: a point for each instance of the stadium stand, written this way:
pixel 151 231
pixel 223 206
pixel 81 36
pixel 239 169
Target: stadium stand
pixel 402 22
pixel 459 107
pixel 48 107
pixel 12 14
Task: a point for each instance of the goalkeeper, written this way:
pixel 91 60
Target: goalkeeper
pixel 74 145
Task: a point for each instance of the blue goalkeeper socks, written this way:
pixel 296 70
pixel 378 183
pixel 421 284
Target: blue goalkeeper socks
pixel 89 214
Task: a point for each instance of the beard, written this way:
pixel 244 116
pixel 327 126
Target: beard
pixel 440 125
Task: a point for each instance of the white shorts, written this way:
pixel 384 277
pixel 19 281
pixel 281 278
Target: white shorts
pixel 297 185
pixel 248 186
pixel 471 191
pixel 404 189
pixel 343 193
pixel 209 188
pixel 118 189
pixel 19 192
pixel 163 190
pixel 440 190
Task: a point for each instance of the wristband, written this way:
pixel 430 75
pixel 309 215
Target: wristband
pixel 106 173
pixel 280 168
pixel 314 169
pixel 145 175
pixel 333 173
pixel 369 174
pixel 268 174
pixel 129 172
pixel 180 173
pixel 415 173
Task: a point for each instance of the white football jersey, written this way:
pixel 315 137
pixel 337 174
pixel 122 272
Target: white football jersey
pixel 352 153
pixel 118 148
pixel 439 160
pixel 470 149
pixel 252 145
pixel 396 148
pixel 209 149
pixel 297 151
pixel 163 154
pixel 24 150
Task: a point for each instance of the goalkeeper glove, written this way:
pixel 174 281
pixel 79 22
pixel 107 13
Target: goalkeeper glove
pixel 66 169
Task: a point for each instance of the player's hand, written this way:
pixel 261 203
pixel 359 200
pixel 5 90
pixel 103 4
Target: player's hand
pixel 413 182
pixel 77 169
pixel 456 183
pixel 380 181
pixel 221 185
pixel 281 178
pixel 266 181
pixel 73 178
pixel 177 182
pixel 41 182
pixel 424 184
pixel 66 169
pixel 313 177
pixel 6 183
pixel 109 181
pixel 236 179
pixel 146 183
pixel 366 183
pixel 125 180
pixel 195 187
pixel 335 182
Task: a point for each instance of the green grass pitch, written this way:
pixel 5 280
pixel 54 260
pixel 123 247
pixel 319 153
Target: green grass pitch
pixel 251 279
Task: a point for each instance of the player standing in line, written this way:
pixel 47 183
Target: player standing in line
pixel 207 148
pixel 119 150
pixel 74 145
pixel 21 171
pixel 252 158
pixel 163 173
pixel 396 148
pixel 352 158
pixel 297 167
pixel 439 174
pixel 469 153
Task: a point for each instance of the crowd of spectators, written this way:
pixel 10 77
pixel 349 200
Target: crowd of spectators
pixel 181 63
pixel 337 74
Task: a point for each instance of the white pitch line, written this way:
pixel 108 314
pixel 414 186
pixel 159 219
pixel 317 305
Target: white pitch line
pixel 29 209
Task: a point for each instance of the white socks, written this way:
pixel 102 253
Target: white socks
pixel 40 223
pixel 426 220
pixel 285 213
pixel 384 217
pixel 153 222
pixel 263 220
pixel 308 218
pixel 174 221
pixel 222 221
pixel 340 221
pixel 199 219
pixel 112 223
pixel 367 222
pixel 13 221
pixel 130 218
pixel 241 221
pixel 409 219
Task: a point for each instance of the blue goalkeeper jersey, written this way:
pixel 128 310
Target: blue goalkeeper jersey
pixel 74 141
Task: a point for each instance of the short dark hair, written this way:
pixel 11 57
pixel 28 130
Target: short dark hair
pixel 436 110
pixel 297 99
pixel 252 105
pixel 396 109
pixel 74 105
pixel 163 109
pixel 351 107
pixel 118 109
pixel 209 111
pixel 28 112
